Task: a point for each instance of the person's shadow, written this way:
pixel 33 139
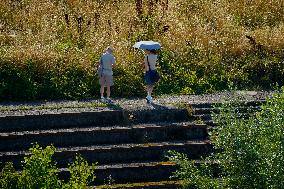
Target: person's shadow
pixel 159 106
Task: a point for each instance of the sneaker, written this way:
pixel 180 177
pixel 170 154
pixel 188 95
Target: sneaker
pixel 108 100
pixel 103 100
pixel 149 99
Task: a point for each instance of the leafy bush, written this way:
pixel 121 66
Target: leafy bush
pixel 248 151
pixel 193 176
pixel 30 81
pixel 196 74
pixel 39 171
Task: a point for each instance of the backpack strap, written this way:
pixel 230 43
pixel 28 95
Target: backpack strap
pixel 102 66
pixel 148 64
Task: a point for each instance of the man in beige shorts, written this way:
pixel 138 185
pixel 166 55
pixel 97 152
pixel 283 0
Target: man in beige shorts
pixel 107 61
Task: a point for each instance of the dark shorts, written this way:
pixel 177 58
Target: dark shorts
pixel 147 79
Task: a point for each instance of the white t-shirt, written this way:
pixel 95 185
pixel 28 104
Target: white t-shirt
pixel 152 58
pixel 107 60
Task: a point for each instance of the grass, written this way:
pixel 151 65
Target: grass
pixel 54 107
pixel 210 44
pixel 82 29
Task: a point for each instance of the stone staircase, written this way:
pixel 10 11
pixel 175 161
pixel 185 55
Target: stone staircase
pixel 129 145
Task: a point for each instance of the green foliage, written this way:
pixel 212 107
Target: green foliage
pixel 8 177
pixel 249 150
pixel 192 74
pixel 190 174
pixel 262 70
pixel 30 81
pixel 81 173
pixel 176 76
pixel 40 171
pixel 252 148
pixel 17 82
pixel 71 82
pixel 128 80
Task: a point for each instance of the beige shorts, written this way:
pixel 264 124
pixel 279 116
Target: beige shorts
pixel 106 80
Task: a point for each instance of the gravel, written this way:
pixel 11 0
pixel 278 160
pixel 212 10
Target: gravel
pixel 133 104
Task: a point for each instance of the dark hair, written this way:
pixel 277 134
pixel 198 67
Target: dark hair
pixel 153 51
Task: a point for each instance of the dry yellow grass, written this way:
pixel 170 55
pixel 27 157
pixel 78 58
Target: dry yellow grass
pixel 78 31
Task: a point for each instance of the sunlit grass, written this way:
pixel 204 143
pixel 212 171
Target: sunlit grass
pixel 35 28
pixel 57 35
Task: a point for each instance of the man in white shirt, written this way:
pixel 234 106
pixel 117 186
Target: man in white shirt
pixel 107 61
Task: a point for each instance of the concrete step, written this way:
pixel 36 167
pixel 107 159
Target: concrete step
pixel 252 103
pixel 123 153
pixel 10 123
pixel 48 121
pixel 154 171
pixel 129 145
pixel 157 115
pixel 130 173
pixel 200 111
pixel 201 118
pixel 207 119
pixel 141 133
pixel 144 185
pixel 103 117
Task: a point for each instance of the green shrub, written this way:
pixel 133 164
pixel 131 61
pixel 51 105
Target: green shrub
pixel 248 151
pixel 198 74
pixel 17 82
pixel 9 177
pixel 193 176
pixel 40 171
pixel 29 81
pixel 128 81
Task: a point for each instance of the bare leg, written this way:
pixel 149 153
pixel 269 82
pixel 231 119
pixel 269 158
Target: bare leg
pixel 102 87
pixel 108 91
pixel 149 93
pixel 150 90
pixel 102 90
